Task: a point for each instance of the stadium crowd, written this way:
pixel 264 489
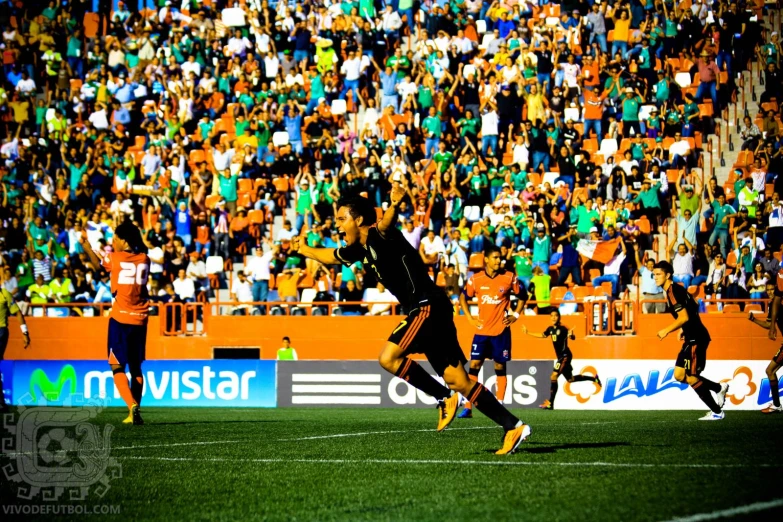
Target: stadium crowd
pixel 525 126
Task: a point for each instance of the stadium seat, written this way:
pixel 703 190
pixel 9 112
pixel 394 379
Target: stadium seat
pixel 712 309
pixel 731 309
pixel 580 292
pixel 608 147
pixel 558 293
pixel 476 261
pixel 753 307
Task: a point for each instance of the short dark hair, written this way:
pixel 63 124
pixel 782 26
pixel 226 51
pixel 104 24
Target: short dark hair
pixel 286 338
pixel 555 311
pixel 665 266
pixel 490 249
pixel 359 206
pixel 129 232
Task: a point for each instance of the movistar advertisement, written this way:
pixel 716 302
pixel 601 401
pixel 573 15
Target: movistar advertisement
pixel 217 383
pixel 650 385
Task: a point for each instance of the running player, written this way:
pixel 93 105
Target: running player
pixel 428 328
pixel 777 360
pixel 693 355
pixel 129 267
pixel 493 287
pixel 560 335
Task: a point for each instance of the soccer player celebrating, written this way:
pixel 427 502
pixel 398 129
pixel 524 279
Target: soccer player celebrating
pixel 560 335
pixel 493 287
pixel 693 355
pixel 773 322
pixel 428 328
pixel 129 267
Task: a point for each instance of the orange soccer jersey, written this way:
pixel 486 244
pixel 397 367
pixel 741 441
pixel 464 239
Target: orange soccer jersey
pixel 493 294
pixel 129 274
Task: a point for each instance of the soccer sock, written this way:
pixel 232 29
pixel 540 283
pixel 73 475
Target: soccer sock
pixel 580 378
pixel 552 392
pixel 713 386
pixel 473 374
pixel 502 382
pixel 121 382
pixel 411 372
pixel 137 386
pixel 487 404
pixel 773 388
pixel 706 397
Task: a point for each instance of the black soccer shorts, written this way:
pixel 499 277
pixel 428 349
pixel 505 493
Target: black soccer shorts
pixel 693 357
pixel 563 367
pixel 429 329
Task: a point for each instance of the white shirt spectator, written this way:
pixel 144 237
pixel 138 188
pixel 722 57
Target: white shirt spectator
pixel 197 270
pixel 489 123
pixel 222 160
pixel 126 207
pixel 414 236
pixel 238 45
pixel 242 292
pixel 99 120
pixel 351 68
pixel 271 66
pixel 257 267
pixel 613 266
pixel 434 246
pixel 680 148
pixel 191 67
pixel 683 265
pixel 184 288
pixel 156 260
pixel 381 297
pixel 391 21
pixel 286 235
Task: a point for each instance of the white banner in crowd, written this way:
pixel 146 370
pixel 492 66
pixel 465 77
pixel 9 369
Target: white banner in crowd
pixel 650 385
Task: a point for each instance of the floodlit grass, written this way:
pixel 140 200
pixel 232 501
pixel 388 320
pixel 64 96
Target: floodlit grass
pixel 373 464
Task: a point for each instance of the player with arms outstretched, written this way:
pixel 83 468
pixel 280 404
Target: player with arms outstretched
pixel 428 328
pixel 560 334
pixel 129 266
pixel 493 288
pixel 693 355
pixel 773 322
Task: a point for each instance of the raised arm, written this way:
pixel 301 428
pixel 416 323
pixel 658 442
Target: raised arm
pixel 389 218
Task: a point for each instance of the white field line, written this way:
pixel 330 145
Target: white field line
pixel 365 433
pixel 450 462
pixel 732 512
pixel 121 448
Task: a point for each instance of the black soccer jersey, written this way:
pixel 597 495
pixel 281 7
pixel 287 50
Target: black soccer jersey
pixel 559 335
pixel 678 299
pixel 396 264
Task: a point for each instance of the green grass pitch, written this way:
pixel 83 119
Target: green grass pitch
pixel 373 464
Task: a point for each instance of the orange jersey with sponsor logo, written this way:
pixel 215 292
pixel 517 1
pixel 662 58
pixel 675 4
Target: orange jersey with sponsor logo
pixel 129 274
pixel 493 295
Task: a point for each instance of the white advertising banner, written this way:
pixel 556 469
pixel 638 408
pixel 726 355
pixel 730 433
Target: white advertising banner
pixel 650 385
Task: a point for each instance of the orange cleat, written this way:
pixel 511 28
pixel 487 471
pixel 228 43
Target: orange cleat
pixel 513 439
pixel 546 405
pixel 448 410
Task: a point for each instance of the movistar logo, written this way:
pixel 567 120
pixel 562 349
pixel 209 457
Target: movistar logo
pixel 51 391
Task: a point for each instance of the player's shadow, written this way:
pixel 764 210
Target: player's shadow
pixel 529 447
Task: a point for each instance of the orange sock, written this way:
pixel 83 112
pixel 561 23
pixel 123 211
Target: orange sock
pixel 473 378
pixel 501 388
pixel 121 382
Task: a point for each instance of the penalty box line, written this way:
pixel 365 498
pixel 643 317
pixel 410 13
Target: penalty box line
pixel 446 462
pixel 732 512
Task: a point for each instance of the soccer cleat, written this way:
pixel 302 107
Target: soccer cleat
pixel 771 408
pixel 134 417
pixel 513 439
pixel 711 416
pixel 546 405
pixel 720 397
pixel 447 410
pixel 467 413
pixel 598 382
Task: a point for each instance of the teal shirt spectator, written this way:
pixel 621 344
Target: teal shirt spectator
pixel 76 175
pixel 228 187
pixel 348 274
pixel 649 198
pixel 542 249
pixel 519 180
pixel 722 211
pixel 432 126
pixel 317 87
pixel 586 219
pixel 631 108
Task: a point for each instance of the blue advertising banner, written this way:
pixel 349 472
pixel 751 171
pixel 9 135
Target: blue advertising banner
pixel 212 383
pixel 6 371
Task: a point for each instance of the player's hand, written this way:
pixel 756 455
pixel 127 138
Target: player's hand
pixel 662 334
pixel 396 195
pixel 509 320
pixel 571 333
pixel 25 340
pixel 524 329
pixel 296 243
pixel 773 332
pixel 750 316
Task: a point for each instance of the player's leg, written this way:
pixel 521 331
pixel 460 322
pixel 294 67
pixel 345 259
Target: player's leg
pixel 136 356
pixel 772 375
pixel 559 368
pixel 584 378
pixel 477 356
pixel 118 359
pixel 457 379
pixel 501 354
pixel 686 370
